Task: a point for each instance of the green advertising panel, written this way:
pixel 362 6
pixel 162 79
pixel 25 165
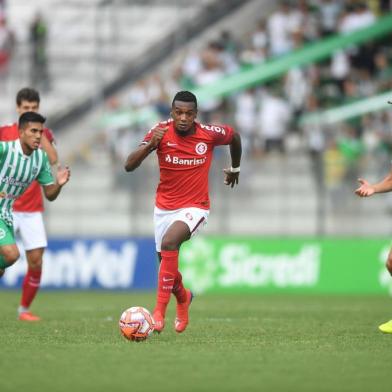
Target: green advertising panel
pixel 340 266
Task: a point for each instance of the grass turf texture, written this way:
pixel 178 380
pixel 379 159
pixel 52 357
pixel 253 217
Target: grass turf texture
pixel 234 343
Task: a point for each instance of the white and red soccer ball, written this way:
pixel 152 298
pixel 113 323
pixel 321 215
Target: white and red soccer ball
pixel 136 323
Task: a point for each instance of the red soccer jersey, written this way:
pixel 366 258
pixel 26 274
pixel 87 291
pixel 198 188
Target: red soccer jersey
pixel 184 163
pixel 31 200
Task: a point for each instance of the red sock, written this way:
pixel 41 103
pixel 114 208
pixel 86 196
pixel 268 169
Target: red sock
pixel 30 286
pixel 166 277
pixel 179 289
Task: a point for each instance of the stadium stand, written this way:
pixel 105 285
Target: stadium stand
pixel 305 190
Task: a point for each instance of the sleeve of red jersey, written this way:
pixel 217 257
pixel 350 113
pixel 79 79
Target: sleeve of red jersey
pixel 49 135
pixel 224 137
pixel 148 136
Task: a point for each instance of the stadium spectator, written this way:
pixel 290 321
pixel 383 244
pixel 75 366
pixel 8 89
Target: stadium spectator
pixel 356 17
pixel 39 57
pixel 315 139
pixel 28 209
pixel 329 12
pixel 184 148
pixel 352 149
pixel 23 152
pixel 211 72
pixel 246 121
pixel 279 30
pixel 383 72
pixel 6 46
pixel 257 50
pixel 273 118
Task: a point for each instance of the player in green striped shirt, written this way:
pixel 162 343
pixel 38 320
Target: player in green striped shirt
pixel 21 162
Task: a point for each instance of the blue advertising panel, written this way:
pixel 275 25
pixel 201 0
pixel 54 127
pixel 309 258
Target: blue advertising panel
pixel 115 264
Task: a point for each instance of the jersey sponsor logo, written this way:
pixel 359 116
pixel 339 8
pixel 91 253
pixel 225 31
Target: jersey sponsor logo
pixel 12 181
pixel 213 128
pixel 171 144
pixel 201 148
pixel 184 162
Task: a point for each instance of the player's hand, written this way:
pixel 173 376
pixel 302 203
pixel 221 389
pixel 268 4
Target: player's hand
pixel 63 174
pixel 157 136
pixel 365 189
pixel 230 177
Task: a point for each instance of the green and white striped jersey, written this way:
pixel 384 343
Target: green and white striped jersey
pixel 17 172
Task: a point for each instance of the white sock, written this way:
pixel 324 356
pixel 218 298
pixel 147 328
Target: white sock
pixel 22 309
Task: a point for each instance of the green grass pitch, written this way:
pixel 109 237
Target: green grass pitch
pixel 234 343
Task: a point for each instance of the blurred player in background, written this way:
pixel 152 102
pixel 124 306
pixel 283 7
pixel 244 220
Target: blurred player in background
pixel 184 149
pixel 28 209
pixel 21 162
pixel 366 190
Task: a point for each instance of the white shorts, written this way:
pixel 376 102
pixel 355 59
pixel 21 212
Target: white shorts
pixel 195 218
pixel 30 227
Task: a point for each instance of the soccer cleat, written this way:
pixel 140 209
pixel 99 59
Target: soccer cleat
pixel 182 313
pixel 159 322
pixel 386 327
pixel 28 316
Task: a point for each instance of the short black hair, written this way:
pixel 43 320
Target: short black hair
pixel 30 117
pixel 27 94
pixel 185 96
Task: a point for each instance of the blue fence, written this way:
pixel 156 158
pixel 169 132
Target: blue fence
pixel 115 264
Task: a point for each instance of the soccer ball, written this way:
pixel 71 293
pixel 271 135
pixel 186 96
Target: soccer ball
pixel 136 323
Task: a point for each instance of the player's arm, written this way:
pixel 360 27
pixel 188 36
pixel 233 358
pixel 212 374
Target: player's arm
pixel 51 191
pixel 50 149
pixel 232 174
pixel 136 157
pixel 367 189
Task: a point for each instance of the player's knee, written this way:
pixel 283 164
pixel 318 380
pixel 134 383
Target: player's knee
pixel 169 244
pixel 34 258
pixel 389 264
pixel 11 256
pixel 35 263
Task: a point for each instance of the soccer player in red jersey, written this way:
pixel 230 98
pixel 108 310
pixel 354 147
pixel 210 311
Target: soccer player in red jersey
pixel 184 148
pixel 28 209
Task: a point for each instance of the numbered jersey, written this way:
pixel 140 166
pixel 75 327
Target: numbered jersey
pixel 31 200
pixel 17 172
pixel 184 163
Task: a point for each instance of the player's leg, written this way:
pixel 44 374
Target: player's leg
pixel 183 297
pixel 387 327
pixel 32 232
pixel 179 290
pixel 31 284
pixel 9 252
pixel 195 219
pixel 174 236
pixel 389 262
